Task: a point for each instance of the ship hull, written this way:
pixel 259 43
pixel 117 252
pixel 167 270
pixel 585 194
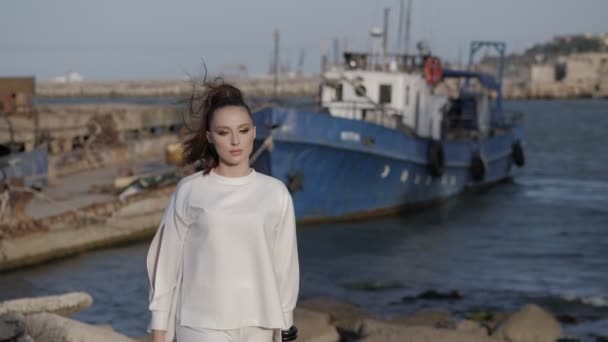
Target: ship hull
pixel 342 169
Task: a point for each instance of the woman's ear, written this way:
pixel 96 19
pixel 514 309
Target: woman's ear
pixel 208 136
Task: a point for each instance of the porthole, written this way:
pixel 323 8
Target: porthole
pixel 386 171
pixel 404 176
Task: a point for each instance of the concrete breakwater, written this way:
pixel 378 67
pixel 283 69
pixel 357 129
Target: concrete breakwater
pixel 295 86
pixel 94 226
pixel 299 86
pixel 68 127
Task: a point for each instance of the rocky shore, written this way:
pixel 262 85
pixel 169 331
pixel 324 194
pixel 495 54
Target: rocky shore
pixel 318 320
pixel 47 319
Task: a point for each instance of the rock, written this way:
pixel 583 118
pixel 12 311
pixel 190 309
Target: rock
pixel 471 327
pixel 335 308
pixel 346 317
pixel 314 326
pixel 65 305
pixel 567 319
pixel 52 327
pixel 488 319
pixel 427 318
pixel 12 327
pixel 529 324
pixel 377 331
pixel 372 286
pixel 435 295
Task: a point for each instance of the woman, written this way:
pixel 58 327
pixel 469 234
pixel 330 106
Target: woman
pixel 223 265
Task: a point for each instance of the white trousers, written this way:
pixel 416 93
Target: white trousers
pixel 243 334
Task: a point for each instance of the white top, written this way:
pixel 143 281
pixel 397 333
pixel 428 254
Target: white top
pixel 237 239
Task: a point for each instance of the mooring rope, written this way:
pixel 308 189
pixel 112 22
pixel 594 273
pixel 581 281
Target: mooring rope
pixel 267 144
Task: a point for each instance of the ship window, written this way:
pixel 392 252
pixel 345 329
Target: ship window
pixel 339 92
pixel 407 95
pixel 385 93
pixel 360 90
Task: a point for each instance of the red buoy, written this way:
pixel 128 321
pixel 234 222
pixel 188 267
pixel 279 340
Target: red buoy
pixel 432 70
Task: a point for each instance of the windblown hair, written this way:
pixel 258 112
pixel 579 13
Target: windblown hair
pixel 205 100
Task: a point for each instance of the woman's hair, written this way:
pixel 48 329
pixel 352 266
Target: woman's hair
pixel 202 105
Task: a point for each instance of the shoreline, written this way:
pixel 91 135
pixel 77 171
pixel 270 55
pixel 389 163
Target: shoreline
pixel 288 87
pixel 318 319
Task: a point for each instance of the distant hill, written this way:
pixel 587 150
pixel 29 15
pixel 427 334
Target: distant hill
pixel 567 45
pixel 550 51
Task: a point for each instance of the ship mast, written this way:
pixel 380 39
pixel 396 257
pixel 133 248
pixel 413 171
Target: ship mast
pixel 400 29
pixel 408 24
pixel 275 65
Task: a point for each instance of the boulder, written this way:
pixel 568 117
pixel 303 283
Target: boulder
pixel 472 327
pixel 488 319
pixel 346 317
pixel 12 327
pixel 51 327
pixel 434 295
pixel 314 326
pixel 529 324
pixel 426 318
pixel 65 305
pixel 377 331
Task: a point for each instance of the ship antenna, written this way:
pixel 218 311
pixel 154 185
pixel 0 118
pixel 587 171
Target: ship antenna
pixel 275 65
pixel 408 25
pixel 385 37
pixel 400 29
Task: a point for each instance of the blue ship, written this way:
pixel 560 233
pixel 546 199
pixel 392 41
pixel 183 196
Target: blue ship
pixel 388 138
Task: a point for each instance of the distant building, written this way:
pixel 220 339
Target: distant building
pixel 582 74
pixel 70 77
pixel 16 94
pixel 542 73
pixel 576 68
pixel 586 67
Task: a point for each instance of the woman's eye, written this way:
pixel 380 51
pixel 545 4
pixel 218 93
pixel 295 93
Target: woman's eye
pixel 245 130
pixel 222 132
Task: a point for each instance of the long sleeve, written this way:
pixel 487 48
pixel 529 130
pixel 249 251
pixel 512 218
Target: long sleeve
pixel 286 261
pixel 164 262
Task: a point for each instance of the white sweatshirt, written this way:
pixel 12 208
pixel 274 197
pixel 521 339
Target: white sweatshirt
pixel 235 238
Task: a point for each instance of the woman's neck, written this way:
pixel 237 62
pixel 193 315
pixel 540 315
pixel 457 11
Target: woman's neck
pixel 232 170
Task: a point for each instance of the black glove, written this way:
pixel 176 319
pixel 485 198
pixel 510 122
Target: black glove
pixel 289 335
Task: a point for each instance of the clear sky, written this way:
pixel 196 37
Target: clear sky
pixel 153 39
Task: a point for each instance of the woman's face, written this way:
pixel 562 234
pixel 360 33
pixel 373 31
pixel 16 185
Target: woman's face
pixel 232 133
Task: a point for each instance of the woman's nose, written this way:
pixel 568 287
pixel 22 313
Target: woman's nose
pixel 235 139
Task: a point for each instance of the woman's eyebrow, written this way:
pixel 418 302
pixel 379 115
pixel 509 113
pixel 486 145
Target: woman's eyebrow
pixel 241 125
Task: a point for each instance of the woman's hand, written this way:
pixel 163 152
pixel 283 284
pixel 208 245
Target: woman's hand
pixel 158 335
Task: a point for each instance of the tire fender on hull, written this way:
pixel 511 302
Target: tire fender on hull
pixel 436 158
pixel 517 152
pixel 478 168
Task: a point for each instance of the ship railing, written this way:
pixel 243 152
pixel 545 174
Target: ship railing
pixel 356 107
pixel 354 110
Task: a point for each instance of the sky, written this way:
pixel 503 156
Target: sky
pixel 153 39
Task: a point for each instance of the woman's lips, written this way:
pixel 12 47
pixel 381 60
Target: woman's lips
pixel 236 152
